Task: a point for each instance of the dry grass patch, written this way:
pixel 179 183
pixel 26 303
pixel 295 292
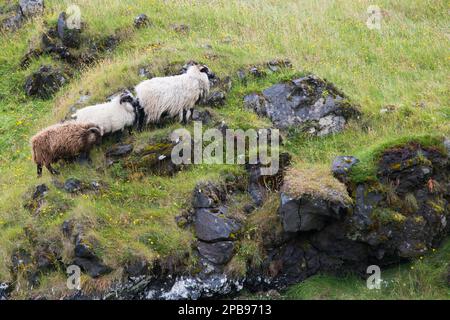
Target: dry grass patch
pixel 316 182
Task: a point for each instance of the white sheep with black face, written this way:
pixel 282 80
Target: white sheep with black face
pixel 173 95
pixel 111 116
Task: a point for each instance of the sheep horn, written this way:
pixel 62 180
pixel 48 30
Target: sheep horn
pixel 95 130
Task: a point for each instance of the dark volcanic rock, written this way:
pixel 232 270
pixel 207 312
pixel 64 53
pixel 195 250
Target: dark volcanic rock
pixel 35 198
pixel 277 64
pixel 259 185
pixel 30 8
pixel 76 186
pixel 208 195
pixel 92 266
pixel 73 185
pixel 217 252
pixel 341 167
pixel 70 37
pixel 141 21
pixel 11 23
pixel 180 28
pixel 400 216
pixel 307 213
pixel 204 116
pixel 256 72
pixel 84 255
pixel 21 260
pixel 17 14
pixel 308 103
pixel 212 226
pixel 118 151
pixel 216 98
pixel 256 103
pixel 44 82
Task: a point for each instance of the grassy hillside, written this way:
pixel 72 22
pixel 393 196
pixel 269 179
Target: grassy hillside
pixel 405 64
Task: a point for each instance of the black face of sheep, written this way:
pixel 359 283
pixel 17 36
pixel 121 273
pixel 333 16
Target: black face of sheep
pixel 126 97
pixel 209 73
pixel 202 67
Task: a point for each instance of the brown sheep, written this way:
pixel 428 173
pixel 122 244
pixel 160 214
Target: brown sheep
pixel 63 141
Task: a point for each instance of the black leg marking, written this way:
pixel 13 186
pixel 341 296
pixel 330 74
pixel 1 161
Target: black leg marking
pixel 39 170
pixel 52 171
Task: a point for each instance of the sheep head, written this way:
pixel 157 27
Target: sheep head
pixel 94 135
pixel 200 67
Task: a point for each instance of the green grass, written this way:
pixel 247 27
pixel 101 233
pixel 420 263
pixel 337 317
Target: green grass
pixel 405 64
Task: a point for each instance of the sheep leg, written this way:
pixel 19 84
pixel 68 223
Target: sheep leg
pixel 141 119
pixel 51 170
pixel 39 170
pixel 182 116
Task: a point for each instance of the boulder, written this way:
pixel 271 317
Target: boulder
pixel 44 82
pixel 118 151
pixel 141 20
pixel 217 252
pixel 341 167
pixel 11 23
pixel 216 98
pixel 180 28
pixel 92 266
pixel 30 8
pixel 309 104
pixel 256 103
pixel 73 185
pixel 308 213
pixel 212 225
pixel 70 37
pixel 35 198
pixel 204 116
pixel 83 254
pixel 276 65
pixel 208 195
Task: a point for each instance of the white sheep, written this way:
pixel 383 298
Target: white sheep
pixel 109 116
pixel 174 95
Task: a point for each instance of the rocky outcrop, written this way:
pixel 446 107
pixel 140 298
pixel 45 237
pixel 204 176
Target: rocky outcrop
pixel 400 216
pixel 307 104
pixel 76 186
pixel 17 14
pixel 70 37
pixel 137 161
pixel 45 82
pixel 83 250
pixel 30 8
pixel 213 227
